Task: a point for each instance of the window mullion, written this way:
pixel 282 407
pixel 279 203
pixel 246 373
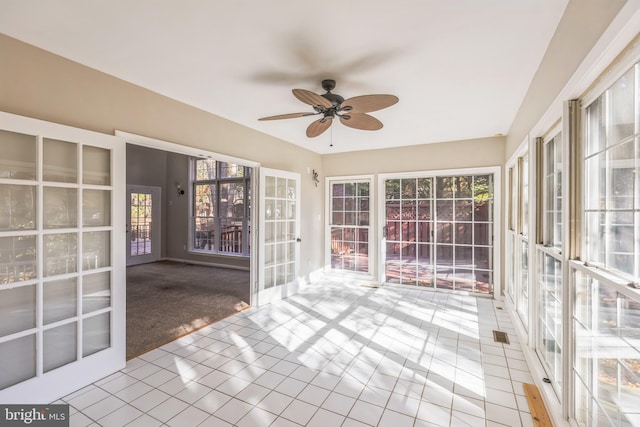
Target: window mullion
pixel 541 189
pixel 572 214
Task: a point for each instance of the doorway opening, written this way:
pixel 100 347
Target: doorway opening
pixel 174 287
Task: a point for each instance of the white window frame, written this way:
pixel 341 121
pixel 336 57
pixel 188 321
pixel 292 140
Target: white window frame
pixel 542 249
pixel 217 181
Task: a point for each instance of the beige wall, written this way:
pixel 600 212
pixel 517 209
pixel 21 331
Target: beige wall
pixel 446 155
pixel 581 26
pixel 39 84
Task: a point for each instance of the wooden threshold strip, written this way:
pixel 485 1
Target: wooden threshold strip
pixel 536 406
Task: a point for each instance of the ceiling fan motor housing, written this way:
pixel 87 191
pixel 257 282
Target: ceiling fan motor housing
pixel 329 85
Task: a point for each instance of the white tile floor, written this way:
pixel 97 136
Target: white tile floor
pixel 334 355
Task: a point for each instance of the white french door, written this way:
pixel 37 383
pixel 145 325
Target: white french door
pixel 143 224
pixel 279 242
pixel 62 299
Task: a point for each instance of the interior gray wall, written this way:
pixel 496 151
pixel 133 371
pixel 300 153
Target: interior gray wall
pixel 158 168
pixel 148 167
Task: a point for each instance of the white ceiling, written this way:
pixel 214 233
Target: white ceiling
pixel 460 67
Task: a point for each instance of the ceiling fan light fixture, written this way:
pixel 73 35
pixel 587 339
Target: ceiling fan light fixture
pixel 331 105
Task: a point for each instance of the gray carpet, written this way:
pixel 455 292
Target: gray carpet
pixel 166 300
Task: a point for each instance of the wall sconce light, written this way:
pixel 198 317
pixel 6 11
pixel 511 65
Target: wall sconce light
pixel 315 178
pixel 179 190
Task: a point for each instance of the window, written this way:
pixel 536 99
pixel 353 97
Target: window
pixel 221 196
pixel 550 262
pixel 552 192
pixel 612 174
pixel 521 243
pixel 523 169
pixel 606 317
pixel 350 204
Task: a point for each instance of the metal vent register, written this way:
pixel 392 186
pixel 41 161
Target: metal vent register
pixel 501 337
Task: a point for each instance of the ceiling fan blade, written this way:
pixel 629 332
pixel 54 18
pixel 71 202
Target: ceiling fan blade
pixel 361 121
pixel 317 127
pixel 368 103
pixel 311 98
pixel 287 116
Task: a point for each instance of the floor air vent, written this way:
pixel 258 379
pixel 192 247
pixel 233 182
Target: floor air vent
pixel 501 337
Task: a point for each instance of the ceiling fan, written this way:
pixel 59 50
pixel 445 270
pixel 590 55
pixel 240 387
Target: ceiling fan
pixel 352 112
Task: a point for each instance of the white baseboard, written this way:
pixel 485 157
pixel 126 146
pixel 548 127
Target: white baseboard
pixel 207 264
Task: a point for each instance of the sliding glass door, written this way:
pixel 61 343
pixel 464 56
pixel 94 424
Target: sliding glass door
pixel 438 231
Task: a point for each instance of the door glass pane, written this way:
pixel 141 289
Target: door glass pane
pixel 59 161
pixel 281 253
pixel 270 186
pixel 60 346
pixel 281 188
pixel 291 189
pixel 96 166
pixel 96 208
pixel 18 160
pixel 291 252
pixel 96 249
pixel 269 277
pixel 18 360
pixel 17 259
pixel 96 292
pixel 17 309
pixel 60 254
pixel 60 300
pixel 17 207
pixel 60 207
pixel 96 334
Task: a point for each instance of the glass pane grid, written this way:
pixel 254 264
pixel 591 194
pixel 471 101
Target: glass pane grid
pixel 612 169
pixel 42 251
pixel 552 193
pixel 349 219
pixel 441 238
pixel 550 317
pixel 280 232
pixel 607 357
pixel 221 205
